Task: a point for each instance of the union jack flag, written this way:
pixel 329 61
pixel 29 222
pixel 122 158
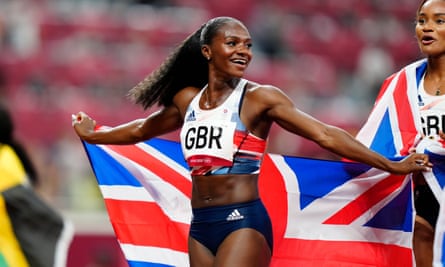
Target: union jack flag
pixel 436 181
pixel 394 126
pixel 324 213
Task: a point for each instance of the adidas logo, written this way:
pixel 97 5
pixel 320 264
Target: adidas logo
pixel 191 116
pixel 235 215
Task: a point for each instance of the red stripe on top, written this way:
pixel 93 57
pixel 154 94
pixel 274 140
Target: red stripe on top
pixel 157 166
pixel 249 142
pixel 145 224
pixel 205 160
pixel 368 199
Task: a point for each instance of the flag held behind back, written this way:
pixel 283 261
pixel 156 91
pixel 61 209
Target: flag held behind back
pixel 323 212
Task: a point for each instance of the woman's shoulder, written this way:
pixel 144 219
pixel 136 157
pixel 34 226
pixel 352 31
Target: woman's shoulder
pixel 185 95
pixel 254 88
pixel 265 94
pixel 189 90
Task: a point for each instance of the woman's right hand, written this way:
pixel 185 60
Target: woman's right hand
pixel 83 124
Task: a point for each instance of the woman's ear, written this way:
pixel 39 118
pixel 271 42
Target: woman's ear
pixel 205 50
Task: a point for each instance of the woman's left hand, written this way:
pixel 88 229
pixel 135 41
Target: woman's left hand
pixel 415 162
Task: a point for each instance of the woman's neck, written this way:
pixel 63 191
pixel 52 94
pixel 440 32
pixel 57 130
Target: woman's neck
pixel 434 82
pixel 436 67
pixel 216 84
pixel 217 92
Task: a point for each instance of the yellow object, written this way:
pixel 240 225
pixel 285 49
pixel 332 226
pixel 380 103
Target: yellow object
pixel 12 172
pixel 9 246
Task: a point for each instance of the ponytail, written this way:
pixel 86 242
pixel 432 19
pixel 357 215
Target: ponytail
pixel 185 67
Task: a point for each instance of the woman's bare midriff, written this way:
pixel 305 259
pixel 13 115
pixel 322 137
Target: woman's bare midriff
pixel 217 190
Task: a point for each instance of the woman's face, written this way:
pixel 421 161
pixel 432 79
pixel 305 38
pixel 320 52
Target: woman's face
pixel 430 28
pixel 230 50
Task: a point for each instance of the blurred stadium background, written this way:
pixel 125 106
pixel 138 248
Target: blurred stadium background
pixel 58 57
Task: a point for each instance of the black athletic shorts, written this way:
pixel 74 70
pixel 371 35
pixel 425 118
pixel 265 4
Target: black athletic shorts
pixel 426 204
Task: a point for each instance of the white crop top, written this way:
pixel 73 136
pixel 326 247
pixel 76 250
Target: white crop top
pixel 432 112
pixel 215 141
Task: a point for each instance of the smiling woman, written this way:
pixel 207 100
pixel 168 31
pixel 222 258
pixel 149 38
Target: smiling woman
pixel 225 122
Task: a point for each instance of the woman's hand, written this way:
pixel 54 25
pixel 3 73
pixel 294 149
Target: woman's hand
pixel 83 124
pixel 415 162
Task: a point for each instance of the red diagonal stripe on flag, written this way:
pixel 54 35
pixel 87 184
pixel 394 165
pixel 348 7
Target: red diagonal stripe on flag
pixel 384 87
pixel 156 166
pixel 366 200
pixel 145 224
pixel 404 119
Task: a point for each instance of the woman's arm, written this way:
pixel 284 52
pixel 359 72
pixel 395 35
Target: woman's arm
pixel 158 123
pixel 283 111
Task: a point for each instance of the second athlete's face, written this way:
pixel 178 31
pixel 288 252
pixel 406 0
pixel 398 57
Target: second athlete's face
pixel 430 28
pixel 230 50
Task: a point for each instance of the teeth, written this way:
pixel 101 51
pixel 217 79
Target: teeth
pixel 240 61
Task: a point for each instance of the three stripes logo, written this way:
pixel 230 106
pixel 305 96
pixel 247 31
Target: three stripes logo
pixel 191 116
pixel 235 215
